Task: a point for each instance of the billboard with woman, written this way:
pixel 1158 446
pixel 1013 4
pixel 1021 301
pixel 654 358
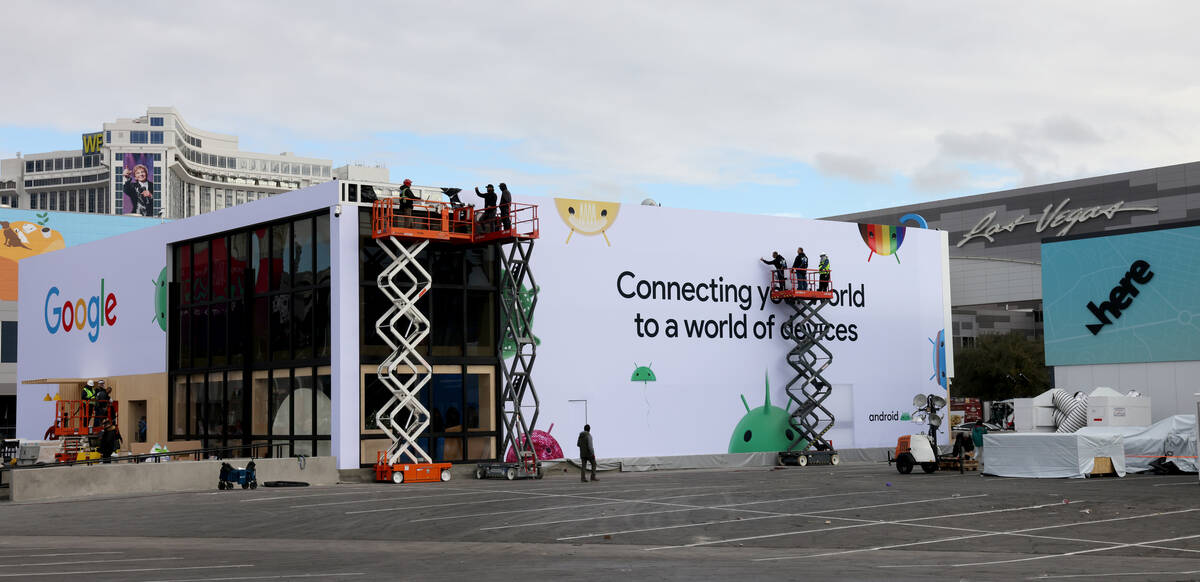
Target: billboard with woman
pixel 138 189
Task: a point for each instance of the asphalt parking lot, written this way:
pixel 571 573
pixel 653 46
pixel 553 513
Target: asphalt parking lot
pixel 860 522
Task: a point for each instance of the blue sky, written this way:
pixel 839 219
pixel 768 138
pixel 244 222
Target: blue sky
pixel 803 109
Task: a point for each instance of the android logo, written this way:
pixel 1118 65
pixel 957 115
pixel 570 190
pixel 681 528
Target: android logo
pixel 160 299
pixel 587 217
pixel 525 297
pixel 766 429
pixel 905 416
pixel 643 374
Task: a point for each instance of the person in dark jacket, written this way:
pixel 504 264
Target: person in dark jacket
pixel 110 440
pixel 780 264
pixel 587 453
pixel 102 401
pixel 505 203
pixel 800 263
pixel 489 204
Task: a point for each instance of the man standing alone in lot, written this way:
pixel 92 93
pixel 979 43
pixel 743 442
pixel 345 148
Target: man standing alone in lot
pixel 586 453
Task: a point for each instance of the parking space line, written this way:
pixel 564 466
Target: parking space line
pixel 1075 553
pixel 989 534
pixel 274 577
pixel 1192 483
pixel 677 526
pixel 58 554
pixel 378 500
pixel 1109 574
pixel 363 491
pixel 386 509
pixel 605 501
pixel 87 562
pixel 816 515
pixel 666 527
pixel 127 570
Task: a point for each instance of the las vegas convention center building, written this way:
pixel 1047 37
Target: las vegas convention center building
pixel 1049 261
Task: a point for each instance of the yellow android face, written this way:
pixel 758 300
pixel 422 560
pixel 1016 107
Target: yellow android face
pixel 587 217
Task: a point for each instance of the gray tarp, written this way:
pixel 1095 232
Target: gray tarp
pixel 1173 437
pixel 1049 455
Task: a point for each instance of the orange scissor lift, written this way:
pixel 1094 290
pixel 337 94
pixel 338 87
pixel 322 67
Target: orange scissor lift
pixel 75 421
pixel 807 294
pixel 403 227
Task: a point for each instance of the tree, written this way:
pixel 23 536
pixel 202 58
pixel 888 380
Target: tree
pixel 1001 366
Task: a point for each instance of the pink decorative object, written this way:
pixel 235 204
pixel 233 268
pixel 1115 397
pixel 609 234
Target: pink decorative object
pixel 546 447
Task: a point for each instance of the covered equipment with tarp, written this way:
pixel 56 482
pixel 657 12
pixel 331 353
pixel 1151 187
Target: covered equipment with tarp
pixel 1050 455
pixel 1172 439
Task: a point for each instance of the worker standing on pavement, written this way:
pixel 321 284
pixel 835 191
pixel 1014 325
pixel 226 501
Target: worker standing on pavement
pixel 587 453
pixel 110 440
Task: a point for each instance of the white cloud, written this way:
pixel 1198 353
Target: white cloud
pixel 616 94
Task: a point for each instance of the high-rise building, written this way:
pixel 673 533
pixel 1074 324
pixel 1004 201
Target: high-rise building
pixel 153 165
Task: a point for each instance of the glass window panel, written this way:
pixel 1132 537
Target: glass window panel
pixel 200 337
pixel 446 322
pixel 216 332
pixel 481 409
pixel 262 331
pixel 237 333
pixel 302 331
pixel 302 251
pixel 322 250
pixel 322 338
pixel 239 261
pixel 200 272
pixel 214 416
pixel 281 268
pixel 304 400
pixel 447 265
pixel 183 272
pixel 220 269
pixel 281 327
pixel 324 403
pixel 446 404
pixel 281 411
pixel 260 404
pixel 481 324
pixel 260 260
pixel 179 407
pixel 234 402
pixel 195 405
pixel 185 337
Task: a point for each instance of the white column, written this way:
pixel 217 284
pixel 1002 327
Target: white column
pixel 343 255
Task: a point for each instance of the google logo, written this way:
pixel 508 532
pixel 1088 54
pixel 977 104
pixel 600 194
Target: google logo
pixel 78 313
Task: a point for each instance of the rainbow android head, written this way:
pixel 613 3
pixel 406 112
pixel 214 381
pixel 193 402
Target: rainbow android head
pixel 643 374
pixel 587 217
pixel 766 429
pixel 882 239
pixel 939 358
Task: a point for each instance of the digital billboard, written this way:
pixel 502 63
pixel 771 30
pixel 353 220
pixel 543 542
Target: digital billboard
pixel 138 185
pixel 1122 298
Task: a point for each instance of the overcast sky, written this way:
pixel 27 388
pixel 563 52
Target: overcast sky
pixel 798 108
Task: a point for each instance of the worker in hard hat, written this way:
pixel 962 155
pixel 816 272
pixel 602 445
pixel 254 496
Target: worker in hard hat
pixel 823 272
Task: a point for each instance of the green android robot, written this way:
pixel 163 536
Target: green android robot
pixel 766 429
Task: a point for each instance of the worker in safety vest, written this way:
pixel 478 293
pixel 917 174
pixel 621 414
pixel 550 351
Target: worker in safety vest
pixel 823 271
pixel 89 398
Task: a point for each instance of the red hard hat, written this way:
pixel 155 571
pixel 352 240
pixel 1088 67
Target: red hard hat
pixel 407 182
